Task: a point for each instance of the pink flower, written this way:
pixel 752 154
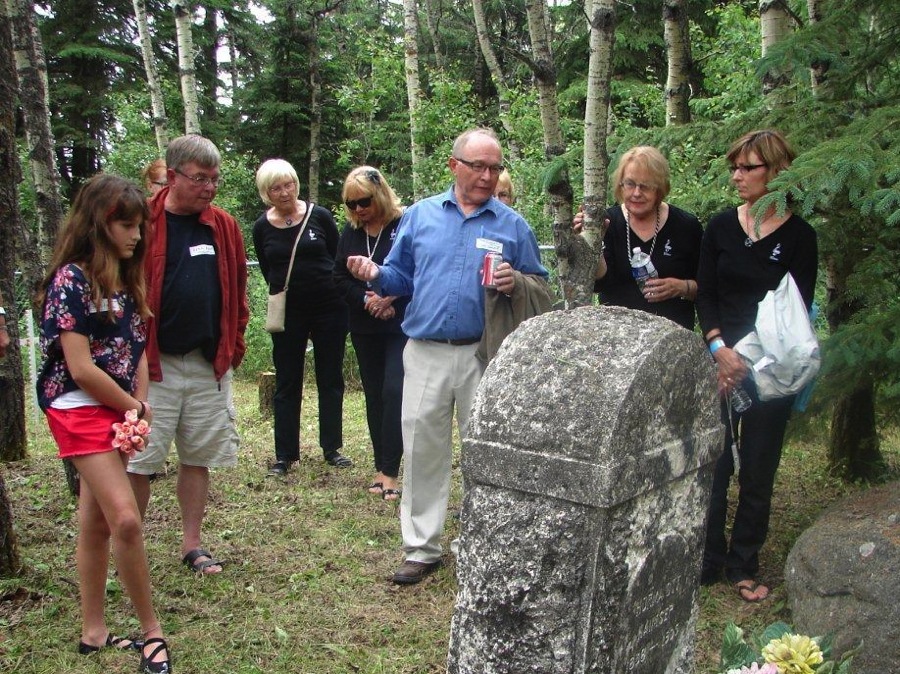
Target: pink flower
pixel 129 434
pixel 131 416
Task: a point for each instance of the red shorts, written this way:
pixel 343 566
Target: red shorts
pixel 83 430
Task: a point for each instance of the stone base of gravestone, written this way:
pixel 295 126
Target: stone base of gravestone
pixel 841 578
pixel 587 468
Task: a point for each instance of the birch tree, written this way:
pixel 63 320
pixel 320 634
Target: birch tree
pixel 186 72
pixel 678 52
pixel 432 20
pixel 31 69
pixel 602 31
pixel 413 90
pixel 12 386
pixel 774 25
pixel 497 75
pixel 157 103
pixel 315 108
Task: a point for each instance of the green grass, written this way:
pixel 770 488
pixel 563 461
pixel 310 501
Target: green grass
pixel 307 586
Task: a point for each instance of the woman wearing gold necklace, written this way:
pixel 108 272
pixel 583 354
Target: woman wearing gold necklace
pixel 745 254
pixel 314 311
pixel 643 219
pixel 374 211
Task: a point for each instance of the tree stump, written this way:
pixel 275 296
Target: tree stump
pixel 266 386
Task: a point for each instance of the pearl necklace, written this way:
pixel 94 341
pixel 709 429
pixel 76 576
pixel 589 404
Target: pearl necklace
pixel 628 231
pixel 371 250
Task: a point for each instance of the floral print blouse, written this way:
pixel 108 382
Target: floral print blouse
pixel 116 346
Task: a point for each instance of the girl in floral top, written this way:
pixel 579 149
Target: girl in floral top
pixel 93 310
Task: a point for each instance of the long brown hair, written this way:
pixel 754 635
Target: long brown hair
pixel 84 240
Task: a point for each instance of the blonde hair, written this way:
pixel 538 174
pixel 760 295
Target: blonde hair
pixel 370 181
pixel 650 160
pixel 150 170
pixel 269 173
pixel 504 182
pixel 770 146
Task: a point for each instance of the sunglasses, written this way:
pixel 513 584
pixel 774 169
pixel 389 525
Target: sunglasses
pixel 365 202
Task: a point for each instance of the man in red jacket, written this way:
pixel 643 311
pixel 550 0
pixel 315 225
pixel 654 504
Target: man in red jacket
pixel 197 290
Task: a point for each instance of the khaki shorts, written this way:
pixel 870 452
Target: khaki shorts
pixel 193 409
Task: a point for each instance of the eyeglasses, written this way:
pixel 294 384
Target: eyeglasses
pixel 481 167
pixel 161 183
pixel 202 181
pixel 743 169
pixel 279 189
pixel 631 186
pixel 365 202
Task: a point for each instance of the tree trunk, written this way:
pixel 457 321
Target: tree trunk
pixel 774 24
pixel 413 91
pixel 315 110
pixel 12 384
pixel 559 189
pixel 9 549
pixel 678 50
pixel 157 103
pixel 499 79
pixel 186 66
pixel 817 69
pixel 853 450
pixel 208 73
pixel 36 241
pixel 432 19
pixel 602 26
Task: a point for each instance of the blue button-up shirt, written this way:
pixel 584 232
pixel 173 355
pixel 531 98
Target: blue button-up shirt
pixel 438 256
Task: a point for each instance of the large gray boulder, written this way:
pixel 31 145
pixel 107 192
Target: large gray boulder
pixel 842 578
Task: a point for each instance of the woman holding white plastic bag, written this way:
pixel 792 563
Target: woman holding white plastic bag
pixel 745 253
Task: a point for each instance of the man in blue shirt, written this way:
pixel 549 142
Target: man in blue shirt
pixel 437 258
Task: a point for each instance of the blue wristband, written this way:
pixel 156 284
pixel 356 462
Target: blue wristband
pixel 716 344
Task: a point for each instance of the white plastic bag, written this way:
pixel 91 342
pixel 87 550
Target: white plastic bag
pixel 782 351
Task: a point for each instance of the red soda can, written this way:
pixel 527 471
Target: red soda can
pixel 491 262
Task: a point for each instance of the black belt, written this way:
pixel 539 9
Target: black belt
pixel 456 342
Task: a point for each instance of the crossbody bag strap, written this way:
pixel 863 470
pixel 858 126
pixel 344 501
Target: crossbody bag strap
pixel 287 279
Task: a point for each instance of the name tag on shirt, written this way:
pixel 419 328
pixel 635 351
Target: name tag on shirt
pixel 489 244
pixel 202 249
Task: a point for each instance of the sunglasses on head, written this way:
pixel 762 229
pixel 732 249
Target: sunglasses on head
pixel 365 202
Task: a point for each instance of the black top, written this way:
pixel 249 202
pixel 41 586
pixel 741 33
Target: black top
pixel 191 293
pixel 353 242
pixel 734 277
pixel 675 255
pixel 312 283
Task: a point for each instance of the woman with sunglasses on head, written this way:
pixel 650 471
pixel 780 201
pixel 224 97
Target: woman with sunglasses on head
pixel 745 253
pixel 643 219
pixel 315 311
pixel 374 211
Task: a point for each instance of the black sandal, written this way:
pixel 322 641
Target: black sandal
pixel 147 664
pixel 338 460
pixel 111 642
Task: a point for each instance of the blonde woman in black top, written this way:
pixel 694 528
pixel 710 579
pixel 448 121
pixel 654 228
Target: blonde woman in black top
pixel 373 211
pixel 315 311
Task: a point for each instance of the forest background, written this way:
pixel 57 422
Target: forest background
pixel 87 87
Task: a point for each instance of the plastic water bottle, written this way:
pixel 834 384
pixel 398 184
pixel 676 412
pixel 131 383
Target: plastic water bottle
pixel 642 268
pixel 740 399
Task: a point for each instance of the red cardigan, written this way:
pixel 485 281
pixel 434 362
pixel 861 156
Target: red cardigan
pixel 232 261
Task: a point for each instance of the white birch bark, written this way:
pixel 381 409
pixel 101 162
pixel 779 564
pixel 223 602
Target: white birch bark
pixel 413 90
pixel 774 25
pixel 315 110
pixel 157 103
pixel 499 79
pixel 186 71
pixel 678 51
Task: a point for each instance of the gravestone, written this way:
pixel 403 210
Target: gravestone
pixel 587 467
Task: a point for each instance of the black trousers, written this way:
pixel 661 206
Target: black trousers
pixel 380 358
pixel 761 432
pixel 328 332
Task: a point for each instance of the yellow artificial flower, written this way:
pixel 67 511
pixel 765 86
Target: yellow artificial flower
pixel 793 654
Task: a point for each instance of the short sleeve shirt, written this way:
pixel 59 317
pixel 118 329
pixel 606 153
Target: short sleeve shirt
pixel 116 346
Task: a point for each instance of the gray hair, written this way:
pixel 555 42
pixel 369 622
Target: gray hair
pixel 192 148
pixel 269 173
pixel 463 139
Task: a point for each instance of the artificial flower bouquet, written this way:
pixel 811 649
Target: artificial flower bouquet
pixel 130 434
pixel 779 651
